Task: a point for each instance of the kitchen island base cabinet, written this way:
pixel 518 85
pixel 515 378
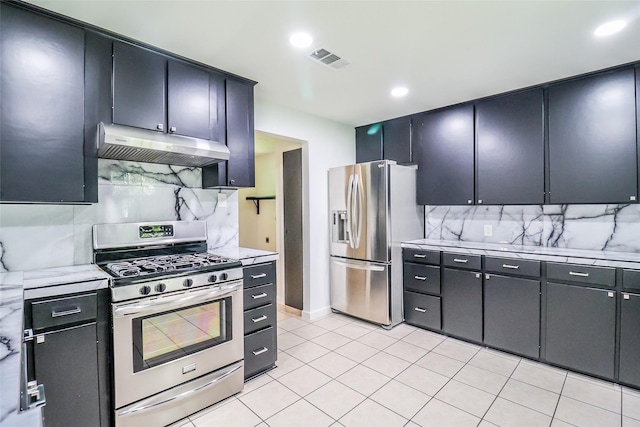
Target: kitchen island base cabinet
pixel 581 328
pixel 630 340
pixel 462 303
pixel 512 314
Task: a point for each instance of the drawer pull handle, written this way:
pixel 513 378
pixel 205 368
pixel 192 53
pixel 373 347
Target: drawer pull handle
pixel 419 255
pixel 419 277
pixel 258 296
pixel 259 276
pixel 420 310
pixel 577 273
pixel 463 261
pixel 74 310
pixel 259 319
pixel 259 352
pixel 513 267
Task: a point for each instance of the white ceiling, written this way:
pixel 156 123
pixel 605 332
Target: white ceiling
pixel 445 51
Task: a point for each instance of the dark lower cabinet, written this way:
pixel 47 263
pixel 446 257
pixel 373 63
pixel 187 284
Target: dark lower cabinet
pixel 422 310
pixel 630 339
pixel 581 328
pixel 462 303
pixel 512 314
pixel 66 362
pixel 42 148
pixel 444 149
pixel 260 319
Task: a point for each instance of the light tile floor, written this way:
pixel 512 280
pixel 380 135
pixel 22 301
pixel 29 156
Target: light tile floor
pixel 339 371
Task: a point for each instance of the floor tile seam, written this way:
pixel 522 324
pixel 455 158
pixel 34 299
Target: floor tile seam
pixel 555 410
pixel 453 406
pixel 321 410
pixel 470 385
pixel 253 412
pixel 525 406
pixel 386 407
pixel 533 385
pixel 309 339
pixel 595 405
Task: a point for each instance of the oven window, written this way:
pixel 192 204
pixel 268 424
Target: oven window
pixel 170 335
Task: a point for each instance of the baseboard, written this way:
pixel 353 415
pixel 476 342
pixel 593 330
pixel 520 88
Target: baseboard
pixel 311 315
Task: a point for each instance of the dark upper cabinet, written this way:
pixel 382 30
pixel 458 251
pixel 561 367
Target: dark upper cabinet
pixel 139 87
pixel 592 139
pixel 396 140
pixel 443 143
pixel 369 143
pixel 239 170
pixel 510 149
pixel 42 144
pixel 189 103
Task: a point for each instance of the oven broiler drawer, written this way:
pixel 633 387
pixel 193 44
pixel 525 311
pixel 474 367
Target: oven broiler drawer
pixel 63 311
pixel 259 295
pixel 259 352
pixel 259 318
pixel 259 274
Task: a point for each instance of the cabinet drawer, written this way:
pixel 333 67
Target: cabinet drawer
pixel 259 318
pixel 63 311
pixel 421 278
pixel 259 274
pixel 259 295
pixel 512 266
pixel 631 279
pixel 604 276
pixel 422 310
pixel 421 256
pixel 472 262
pixel 259 351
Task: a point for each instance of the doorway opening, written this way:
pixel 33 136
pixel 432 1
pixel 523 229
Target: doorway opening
pixel 270 214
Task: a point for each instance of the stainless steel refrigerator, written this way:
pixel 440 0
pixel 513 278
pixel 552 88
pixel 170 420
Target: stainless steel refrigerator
pixel 372 210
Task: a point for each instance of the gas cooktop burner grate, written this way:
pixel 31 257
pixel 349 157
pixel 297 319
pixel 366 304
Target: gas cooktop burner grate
pixel 164 263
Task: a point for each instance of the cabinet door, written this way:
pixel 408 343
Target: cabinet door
pixel 188 100
pixel 139 89
pixel 42 108
pixel 462 303
pixel 512 314
pixel 510 162
pixel 630 340
pixel 369 143
pixel 581 328
pixel 240 167
pixel 396 140
pixel 444 151
pixel 66 362
pixel 592 139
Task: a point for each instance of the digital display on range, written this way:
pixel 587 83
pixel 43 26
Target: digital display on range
pixel 151 231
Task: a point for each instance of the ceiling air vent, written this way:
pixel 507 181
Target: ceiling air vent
pixel 330 59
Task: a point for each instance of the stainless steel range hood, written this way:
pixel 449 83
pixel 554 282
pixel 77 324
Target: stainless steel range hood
pixel 140 145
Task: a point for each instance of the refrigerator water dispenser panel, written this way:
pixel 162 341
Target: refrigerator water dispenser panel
pixel 339 229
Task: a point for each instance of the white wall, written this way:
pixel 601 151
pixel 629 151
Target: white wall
pixel 328 144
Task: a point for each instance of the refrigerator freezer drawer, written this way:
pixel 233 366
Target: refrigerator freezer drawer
pixel 361 289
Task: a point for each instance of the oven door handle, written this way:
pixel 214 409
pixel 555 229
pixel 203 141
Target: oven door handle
pixel 193 297
pixel 182 395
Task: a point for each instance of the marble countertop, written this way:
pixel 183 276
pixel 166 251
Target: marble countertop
pixel 247 256
pixel 15 287
pixel 574 256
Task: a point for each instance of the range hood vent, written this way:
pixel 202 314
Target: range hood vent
pixel 139 145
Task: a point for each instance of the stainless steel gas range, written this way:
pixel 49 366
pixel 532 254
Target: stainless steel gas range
pixel 177 320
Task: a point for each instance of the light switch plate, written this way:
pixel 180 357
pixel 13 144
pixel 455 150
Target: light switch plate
pixel 488 230
pixel 222 200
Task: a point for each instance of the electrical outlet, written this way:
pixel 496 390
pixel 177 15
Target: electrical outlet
pixel 266 239
pixel 488 230
pixel 222 200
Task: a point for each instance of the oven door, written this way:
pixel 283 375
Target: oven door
pixel 165 341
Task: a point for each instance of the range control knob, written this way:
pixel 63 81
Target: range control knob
pixel 145 290
pixel 187 283
pixel 213 278
pixel 224 276
pixel 161 287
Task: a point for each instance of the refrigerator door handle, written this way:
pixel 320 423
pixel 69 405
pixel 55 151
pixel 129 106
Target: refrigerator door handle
pixel 350 211
pixel 367 267
pixel 360 207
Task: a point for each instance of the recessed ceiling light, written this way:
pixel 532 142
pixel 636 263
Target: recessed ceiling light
pixel 301 40
pixel 610 27
pixel 399 91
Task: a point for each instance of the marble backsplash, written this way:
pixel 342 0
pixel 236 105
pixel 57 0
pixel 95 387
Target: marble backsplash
pixel 594 227
pixel 41 236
